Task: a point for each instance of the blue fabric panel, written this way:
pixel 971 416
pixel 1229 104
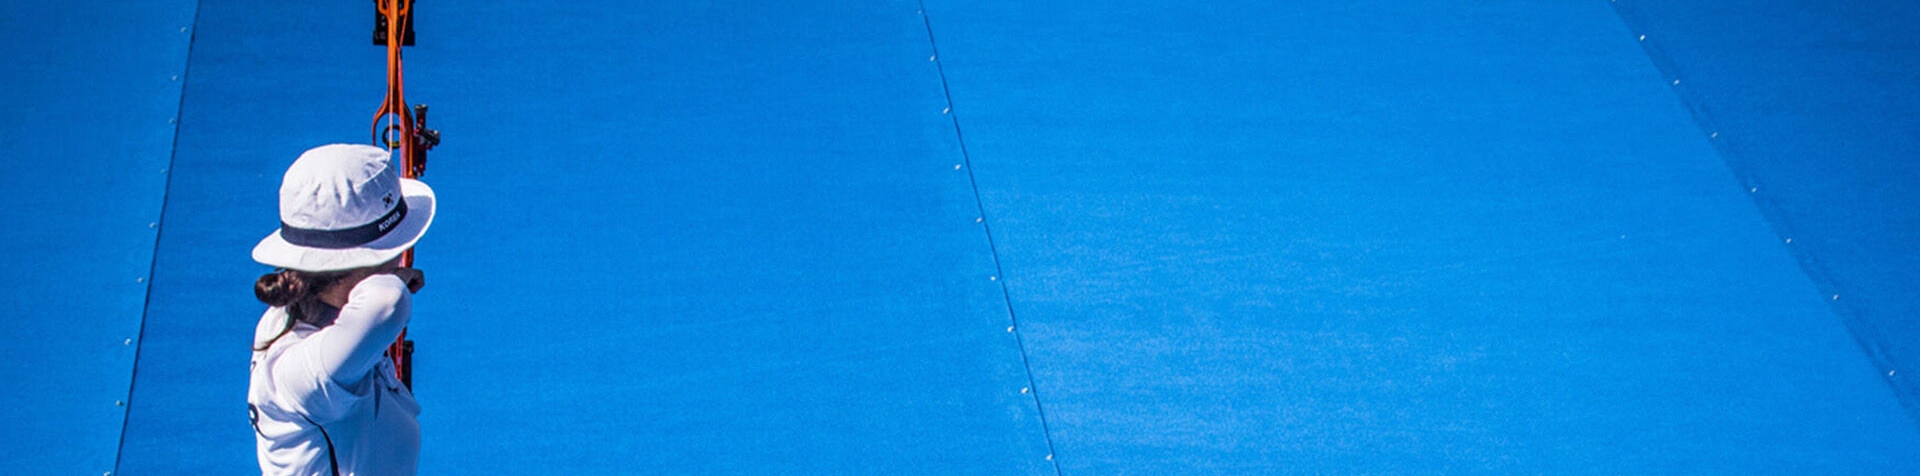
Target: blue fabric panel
pixel 674 239
pixel 86 102
pixel 1390 237
pixel 709 239
pixel 1816 107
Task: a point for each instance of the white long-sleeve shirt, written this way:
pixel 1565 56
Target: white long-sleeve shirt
pixel 325 401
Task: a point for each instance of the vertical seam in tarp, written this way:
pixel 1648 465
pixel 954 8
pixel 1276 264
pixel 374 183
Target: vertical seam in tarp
pixel 992 247
pixel 192 30
pixel 1862 331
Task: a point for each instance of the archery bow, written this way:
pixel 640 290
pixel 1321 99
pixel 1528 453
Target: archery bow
pixel 402 131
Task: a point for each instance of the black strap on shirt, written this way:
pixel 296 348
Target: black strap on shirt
pixel 331 459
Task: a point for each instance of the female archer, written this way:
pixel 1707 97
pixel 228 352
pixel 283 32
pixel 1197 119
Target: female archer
pixel 323 396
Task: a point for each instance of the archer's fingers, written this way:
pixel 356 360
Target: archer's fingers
pixel 413 277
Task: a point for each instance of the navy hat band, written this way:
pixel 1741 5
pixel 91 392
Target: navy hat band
pixel 347 238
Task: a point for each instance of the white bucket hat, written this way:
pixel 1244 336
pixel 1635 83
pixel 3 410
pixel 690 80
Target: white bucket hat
pixel 344 206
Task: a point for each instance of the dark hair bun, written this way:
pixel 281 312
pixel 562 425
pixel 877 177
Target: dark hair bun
pixel 280 288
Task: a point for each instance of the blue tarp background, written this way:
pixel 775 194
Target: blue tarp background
pixel 891 237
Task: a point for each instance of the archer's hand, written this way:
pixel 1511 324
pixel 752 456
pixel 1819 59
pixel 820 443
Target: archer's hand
pixel 413 277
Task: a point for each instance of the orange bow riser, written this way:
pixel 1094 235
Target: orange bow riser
pixel 401 130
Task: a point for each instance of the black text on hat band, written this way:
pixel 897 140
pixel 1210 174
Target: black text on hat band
pixel 347 238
